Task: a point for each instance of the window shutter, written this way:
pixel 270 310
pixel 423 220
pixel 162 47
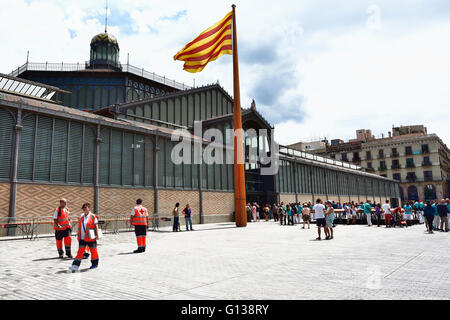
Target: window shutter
pixel 139 160
pixel 26 149
pixel 116 157
pixel 88 155
pixel 128 159
pixel 75 151
pixel 59 161
pixel 6 138
pixel 104 156
pixel 43 149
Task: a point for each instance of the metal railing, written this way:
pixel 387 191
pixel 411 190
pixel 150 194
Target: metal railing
pixel 45 66
pixel 35 227
pixel 310 156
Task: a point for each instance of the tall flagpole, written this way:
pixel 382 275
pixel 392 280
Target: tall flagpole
pixel 239 175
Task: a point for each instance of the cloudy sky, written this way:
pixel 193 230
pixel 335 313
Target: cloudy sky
pixel 316 68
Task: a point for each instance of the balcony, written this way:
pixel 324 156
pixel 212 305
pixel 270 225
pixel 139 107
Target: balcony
pixel 425 151
pixel 395 155
pixel 429 178
pixel 370 169
pixel 426 164
pixel 381 156
pixel 368 157
pixel 382 168
pixel 408 153
pixel 410 165
pixel 395 166
pixel 411 178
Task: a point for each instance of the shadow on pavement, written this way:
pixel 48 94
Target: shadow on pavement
pixel 53 258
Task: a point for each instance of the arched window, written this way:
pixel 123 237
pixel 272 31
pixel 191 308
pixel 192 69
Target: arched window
pixel 430 192
pixel 412 193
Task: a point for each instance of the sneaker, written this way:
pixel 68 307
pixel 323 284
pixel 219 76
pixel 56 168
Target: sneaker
pixel 61 256
pixel 73 268
pixel 94 266
pixel 138 250
pixel 86 255
pixel 69 256
pixel 318 238
pixel 331 237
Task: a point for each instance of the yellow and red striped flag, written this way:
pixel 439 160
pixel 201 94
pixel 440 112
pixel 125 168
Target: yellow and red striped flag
pixel 208 46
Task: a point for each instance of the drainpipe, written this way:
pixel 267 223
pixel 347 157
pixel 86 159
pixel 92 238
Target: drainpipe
pixel 15 162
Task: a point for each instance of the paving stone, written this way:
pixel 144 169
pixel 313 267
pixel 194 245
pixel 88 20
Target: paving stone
pixel 218 261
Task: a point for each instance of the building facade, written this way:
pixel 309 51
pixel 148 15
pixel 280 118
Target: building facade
pixel 418 160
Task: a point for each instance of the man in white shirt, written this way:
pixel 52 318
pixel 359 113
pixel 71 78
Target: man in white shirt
pixel 319 212
pixel 386 207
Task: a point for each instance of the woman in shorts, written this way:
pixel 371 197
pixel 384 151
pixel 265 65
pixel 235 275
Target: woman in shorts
pixel 329 219
pixel 306 215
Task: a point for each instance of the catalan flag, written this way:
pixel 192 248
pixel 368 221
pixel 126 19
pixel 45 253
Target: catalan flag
pixel 208 46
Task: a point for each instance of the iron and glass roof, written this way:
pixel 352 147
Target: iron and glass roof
pixel 28 88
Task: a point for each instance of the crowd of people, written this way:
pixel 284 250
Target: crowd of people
pixel 434 214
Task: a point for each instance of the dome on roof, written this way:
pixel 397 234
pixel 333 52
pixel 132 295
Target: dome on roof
pixel 104 37
pixel 104 52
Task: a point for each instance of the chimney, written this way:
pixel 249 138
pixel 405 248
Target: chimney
pixel 390 135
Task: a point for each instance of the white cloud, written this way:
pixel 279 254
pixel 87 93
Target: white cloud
pixel 351 66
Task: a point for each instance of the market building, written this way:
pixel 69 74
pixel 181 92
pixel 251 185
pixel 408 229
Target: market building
pixel 112 144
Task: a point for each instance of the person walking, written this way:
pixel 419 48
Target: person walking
pixel 176 217
pixel 386 208
pixel 281 215
pixel 378 213
pixel 306 215
pixel 436 216
pixel 418 207
pixel 254 213
pixel 443 210
pixel 139 219
pixel 63 229
pixel 348 213
pixel 266 212
pixel 329 219
pixel 428 212
pixel 87 236
pixel 187 216
pixel 248 209
pixel 319 211
pixel 275 212
pixel 354 213
pixel 367 210
pixel 290 215
pixel 408 213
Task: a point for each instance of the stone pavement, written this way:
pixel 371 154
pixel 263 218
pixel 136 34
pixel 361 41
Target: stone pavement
pixel 218 261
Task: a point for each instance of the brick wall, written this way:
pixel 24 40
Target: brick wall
pixel 287 198
pixel 168 198
pixel 113 201
pixel 4 199
pixel 40 200
pixel 218 203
